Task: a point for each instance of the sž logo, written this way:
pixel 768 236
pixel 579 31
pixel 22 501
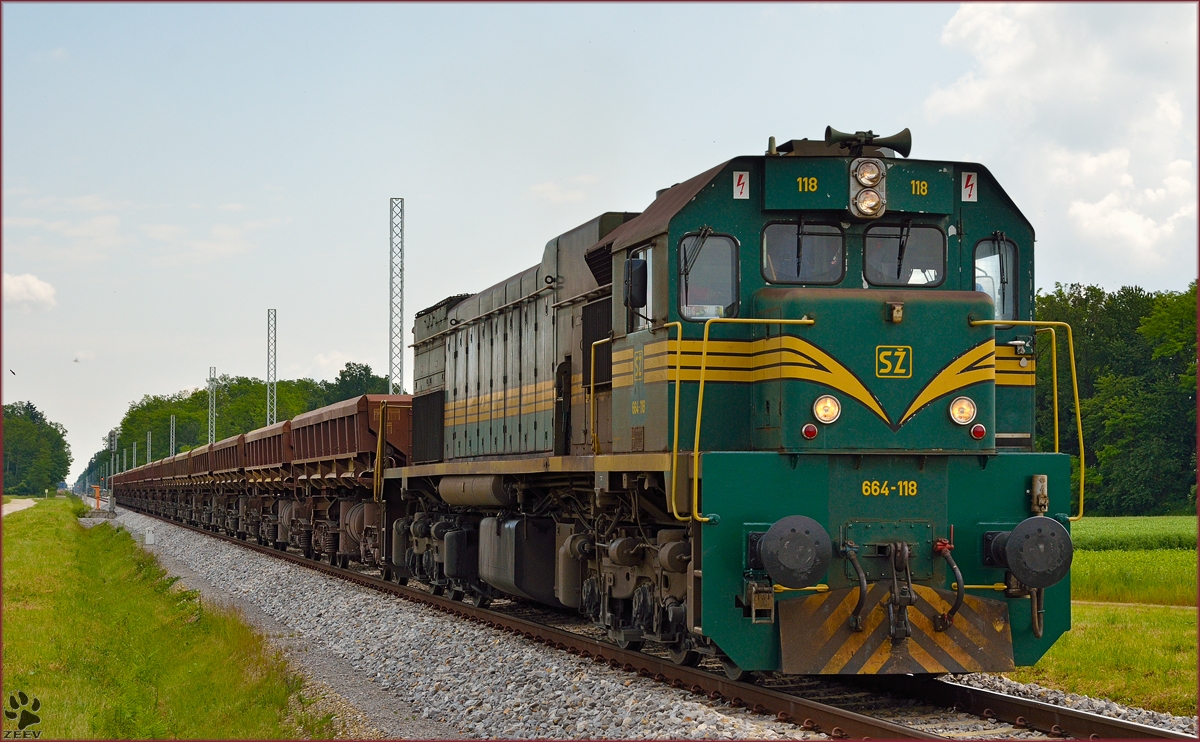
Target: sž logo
pixel 23 710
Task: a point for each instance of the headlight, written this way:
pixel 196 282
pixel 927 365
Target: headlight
pixel 962 410
pixel 869 202
pixel 827 409
pixel 868 173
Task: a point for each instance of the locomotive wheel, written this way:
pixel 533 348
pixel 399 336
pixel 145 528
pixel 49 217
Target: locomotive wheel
pixel 735 673
pixel 681 655
pixel 633 645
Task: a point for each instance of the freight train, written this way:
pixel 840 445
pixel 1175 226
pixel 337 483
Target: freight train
pixel 784 417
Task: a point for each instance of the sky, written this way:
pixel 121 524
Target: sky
pixel 171 171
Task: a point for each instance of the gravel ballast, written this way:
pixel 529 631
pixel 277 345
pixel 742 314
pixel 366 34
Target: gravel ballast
pixel 461 676
pixel 416 672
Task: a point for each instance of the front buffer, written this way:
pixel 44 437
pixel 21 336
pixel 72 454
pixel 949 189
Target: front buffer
pixel 780 587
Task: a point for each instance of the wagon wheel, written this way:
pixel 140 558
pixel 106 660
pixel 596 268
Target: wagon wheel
pixel 454 594
pixel 633 645
pixel 478 600
pixel 682 654
pixel 735 673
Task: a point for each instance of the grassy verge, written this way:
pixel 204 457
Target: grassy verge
pixel 93 630
pixel 1136 655
pixel 1165 577
pixel 1132 533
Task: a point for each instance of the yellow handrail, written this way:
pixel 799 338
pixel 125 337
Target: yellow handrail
pixel 675 437
pixel 1074 387
pixel 592 397
pixel 1054 374
pixel 700 396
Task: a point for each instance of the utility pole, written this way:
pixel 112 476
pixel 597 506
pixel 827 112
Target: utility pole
pixel 396 315
pixel 271 380
pixel 212 404
pixel 149 456
pixel 135 454
pixel 172 435
pixel 125 459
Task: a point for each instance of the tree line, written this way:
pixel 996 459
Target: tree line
pixel 1136 365
pixel 241 406
pixel 37 456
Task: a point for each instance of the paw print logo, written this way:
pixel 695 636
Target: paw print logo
pixel 28 716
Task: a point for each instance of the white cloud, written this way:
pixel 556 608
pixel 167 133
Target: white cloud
pixel 332 361
pixel 232 207
pixel 167 232
pixel 1098 103
pixel 556 194
pixel 58 54
pixel 27 292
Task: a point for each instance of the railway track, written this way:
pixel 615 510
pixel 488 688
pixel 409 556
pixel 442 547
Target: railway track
pixel 873 707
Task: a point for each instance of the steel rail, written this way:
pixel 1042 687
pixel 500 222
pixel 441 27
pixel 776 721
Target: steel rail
pixel 809 715
pixel 1024 712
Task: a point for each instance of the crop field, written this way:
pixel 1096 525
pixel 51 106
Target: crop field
pixel 1134 533
pixel 1163 577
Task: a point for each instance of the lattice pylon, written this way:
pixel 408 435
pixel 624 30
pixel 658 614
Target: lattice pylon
pixel 396 294
pixel 212 404
pixel 271 377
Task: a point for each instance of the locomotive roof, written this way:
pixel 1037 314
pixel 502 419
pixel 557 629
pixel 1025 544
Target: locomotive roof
pixel 657 216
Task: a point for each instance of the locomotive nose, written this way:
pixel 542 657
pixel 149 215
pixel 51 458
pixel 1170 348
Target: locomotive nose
pixel 1038 551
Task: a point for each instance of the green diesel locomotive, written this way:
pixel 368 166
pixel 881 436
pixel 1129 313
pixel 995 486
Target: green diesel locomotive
pixel 784 416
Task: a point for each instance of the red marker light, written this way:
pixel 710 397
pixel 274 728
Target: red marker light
pixel 809 431
pixel 978 432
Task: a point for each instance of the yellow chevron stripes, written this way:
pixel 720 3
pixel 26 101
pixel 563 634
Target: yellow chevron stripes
pixel 779 357
pixel 976 365
pixel 791 357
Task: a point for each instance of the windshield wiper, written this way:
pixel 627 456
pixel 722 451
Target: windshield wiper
pixel 1000 241
pixel 800 248
pixel 689 260
pixel 903 243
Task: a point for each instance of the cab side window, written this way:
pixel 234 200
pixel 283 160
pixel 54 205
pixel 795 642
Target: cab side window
pixel 642 318
pixel 708 276
pixel 995 273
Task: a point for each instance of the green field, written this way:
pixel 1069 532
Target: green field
pixel 1141 656
pixel 1134 533
pixel 96 633
pixel 1164 577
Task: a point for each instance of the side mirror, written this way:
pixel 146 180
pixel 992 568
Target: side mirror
pixel 635 283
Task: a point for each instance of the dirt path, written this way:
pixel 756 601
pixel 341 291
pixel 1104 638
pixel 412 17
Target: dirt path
pixel 21 504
